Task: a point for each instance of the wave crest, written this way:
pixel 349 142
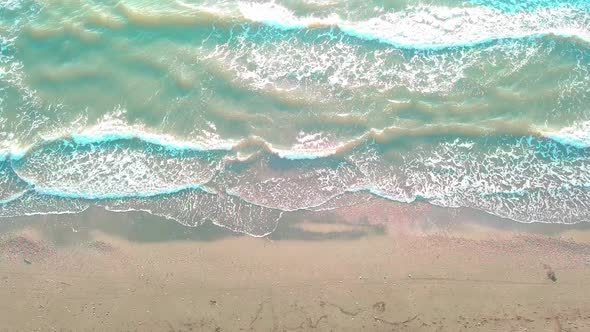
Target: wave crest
pixel 434 27
pixel 525 178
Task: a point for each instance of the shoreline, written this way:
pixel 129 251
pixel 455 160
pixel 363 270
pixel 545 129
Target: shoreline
pixel 380 266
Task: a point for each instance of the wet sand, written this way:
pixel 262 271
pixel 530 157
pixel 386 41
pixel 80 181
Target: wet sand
pixel 379 266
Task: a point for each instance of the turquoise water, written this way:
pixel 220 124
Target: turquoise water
pixel 240 111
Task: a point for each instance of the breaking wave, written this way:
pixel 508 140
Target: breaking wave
pixel 432 27
pixel 525 178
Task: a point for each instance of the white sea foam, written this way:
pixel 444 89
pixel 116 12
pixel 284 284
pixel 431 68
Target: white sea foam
pixel 577 135
pixel 194 207
pixel 31 203
pixel 114 128
pixel 113 171
pixel 530 180
pixel 431 27
pixel 11 4
pixel 322 69
pixel 527 180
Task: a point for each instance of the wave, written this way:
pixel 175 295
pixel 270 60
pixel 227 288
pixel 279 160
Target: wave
pixel 297 62
pixel 483 172
pixel 113 169
pixel 577 135
pixel 31 203
pixel 307 146
pixel 169 142
pixel 431 27
pixel 194 207
pixel 511 6
pixel 421 27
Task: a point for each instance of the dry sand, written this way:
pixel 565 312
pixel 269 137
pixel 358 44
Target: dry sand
pixel 380 266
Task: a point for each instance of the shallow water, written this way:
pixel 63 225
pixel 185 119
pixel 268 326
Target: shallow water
pixel 239 111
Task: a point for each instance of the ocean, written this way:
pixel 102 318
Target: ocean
pixel 238 112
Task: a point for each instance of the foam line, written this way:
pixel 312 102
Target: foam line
pixel 434 27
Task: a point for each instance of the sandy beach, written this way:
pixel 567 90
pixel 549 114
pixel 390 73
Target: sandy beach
pixel 406 268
